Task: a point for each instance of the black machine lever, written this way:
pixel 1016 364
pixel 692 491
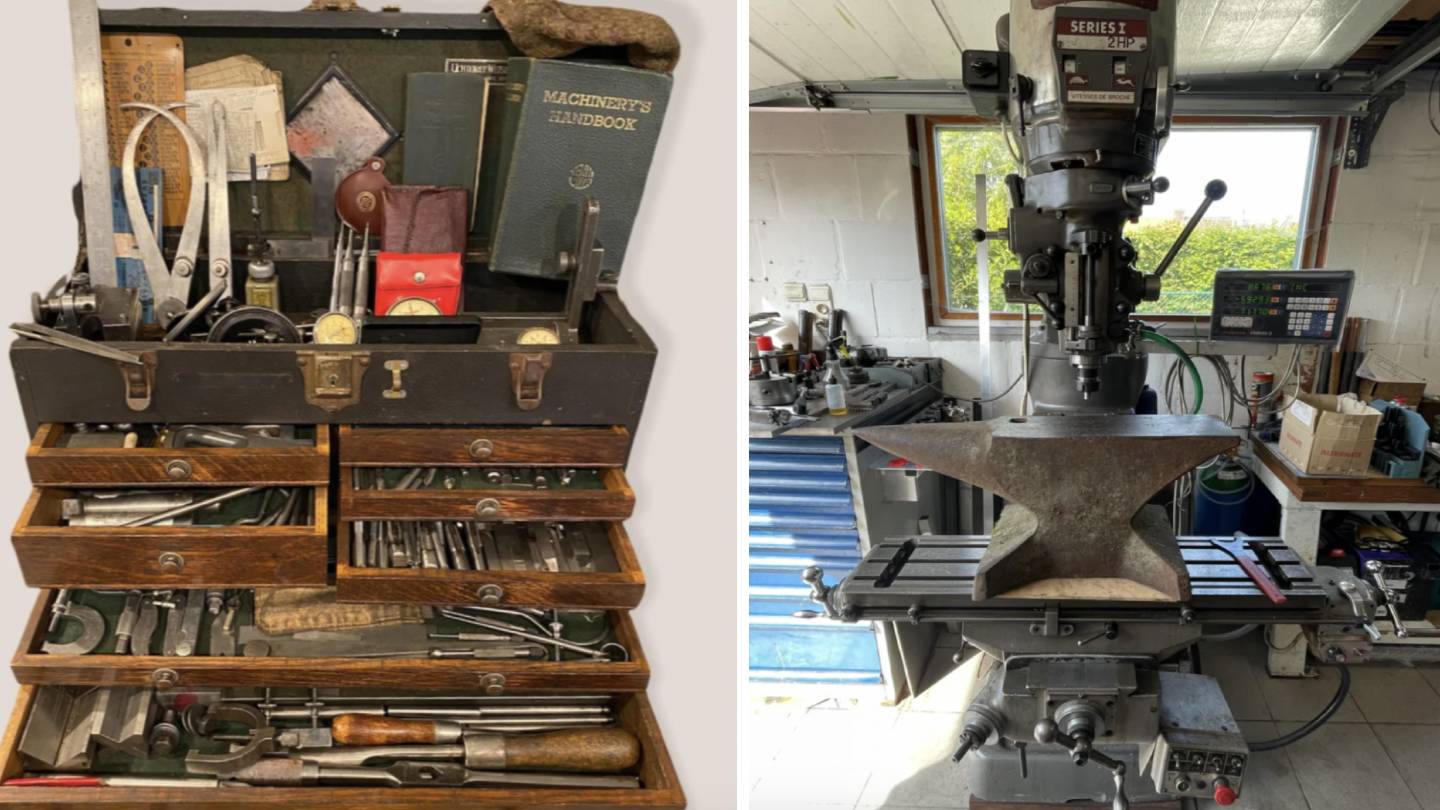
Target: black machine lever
pixel 967 742
pixel 1046 731
pixel 1214 190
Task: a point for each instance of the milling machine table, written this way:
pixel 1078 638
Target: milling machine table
pixel 936 573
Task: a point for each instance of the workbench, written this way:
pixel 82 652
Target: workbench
pixel 1303 501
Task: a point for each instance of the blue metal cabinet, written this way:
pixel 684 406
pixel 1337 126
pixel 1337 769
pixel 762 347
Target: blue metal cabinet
pixel 802 514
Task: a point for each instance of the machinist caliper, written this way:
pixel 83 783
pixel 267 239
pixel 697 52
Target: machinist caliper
pixel 208 167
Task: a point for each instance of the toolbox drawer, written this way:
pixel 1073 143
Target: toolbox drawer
pixel 606 497
pixel 54 555
pixel 33 666
pixel 52 464
pixel 534 447
pixel 620 590
pixel 660 785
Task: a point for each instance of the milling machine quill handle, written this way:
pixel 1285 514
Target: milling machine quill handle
pixel 1046 731
pixel 1214 190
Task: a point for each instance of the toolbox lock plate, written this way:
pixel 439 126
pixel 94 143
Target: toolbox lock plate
pixel 527 372
pixel 493 684
pixel 332 379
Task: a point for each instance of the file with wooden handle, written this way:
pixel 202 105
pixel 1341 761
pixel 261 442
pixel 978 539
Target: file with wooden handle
pixel 595 750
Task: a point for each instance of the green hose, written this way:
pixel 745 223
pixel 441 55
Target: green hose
pixel 1156 337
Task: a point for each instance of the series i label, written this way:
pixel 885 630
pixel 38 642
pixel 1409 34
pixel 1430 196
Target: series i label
pixel 1101 34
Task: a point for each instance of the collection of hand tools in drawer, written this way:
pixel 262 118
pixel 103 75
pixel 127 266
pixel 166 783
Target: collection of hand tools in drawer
pixel 495 516
pixel 141 738
pixel 201 645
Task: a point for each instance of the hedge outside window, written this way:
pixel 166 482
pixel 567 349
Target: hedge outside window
pixel 1258 226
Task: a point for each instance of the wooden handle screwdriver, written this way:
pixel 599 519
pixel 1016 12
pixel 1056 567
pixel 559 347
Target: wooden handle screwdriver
pixel 590 750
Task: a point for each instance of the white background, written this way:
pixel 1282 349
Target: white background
pixel 680 281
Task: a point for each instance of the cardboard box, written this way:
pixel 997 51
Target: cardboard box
pixel 1329 435
pixel 1383 378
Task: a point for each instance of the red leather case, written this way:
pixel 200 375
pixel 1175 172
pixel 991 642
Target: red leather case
pixel 434 277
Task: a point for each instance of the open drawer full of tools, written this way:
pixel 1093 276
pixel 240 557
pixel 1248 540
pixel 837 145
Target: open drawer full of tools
pixel 176 536
pixel 341 747
pixel 569 564
pixel 304 636
pixel 487 493
pixel 484 473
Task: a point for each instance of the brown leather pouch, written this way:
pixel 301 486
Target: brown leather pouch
pixel 424 219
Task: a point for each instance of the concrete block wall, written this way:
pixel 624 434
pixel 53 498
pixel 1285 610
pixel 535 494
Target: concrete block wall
pixel 831 203
pixel 1386 227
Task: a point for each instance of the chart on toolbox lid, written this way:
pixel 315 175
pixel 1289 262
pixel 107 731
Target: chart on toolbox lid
pixel 151 69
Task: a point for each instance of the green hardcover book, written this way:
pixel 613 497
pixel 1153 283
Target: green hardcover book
pixel 443 116
pixel 567 131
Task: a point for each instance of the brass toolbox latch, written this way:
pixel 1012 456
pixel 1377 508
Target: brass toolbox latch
pixel 332 379
pixel 137 371
pixel 139 381
pixel 527 372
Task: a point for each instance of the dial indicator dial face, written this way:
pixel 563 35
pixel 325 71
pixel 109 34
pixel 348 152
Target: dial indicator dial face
pixel 413 306
pixel 538 336
pixel 336 329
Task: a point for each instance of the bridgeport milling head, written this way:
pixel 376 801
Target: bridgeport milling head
pixel 1085 87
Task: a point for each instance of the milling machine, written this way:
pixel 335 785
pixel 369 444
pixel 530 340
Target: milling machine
pixel 1083 600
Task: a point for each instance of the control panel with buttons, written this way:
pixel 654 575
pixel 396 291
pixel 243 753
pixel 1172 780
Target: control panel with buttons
pixel 1199 752
pixel 1288 306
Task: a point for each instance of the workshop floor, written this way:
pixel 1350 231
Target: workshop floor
pixel 1381 751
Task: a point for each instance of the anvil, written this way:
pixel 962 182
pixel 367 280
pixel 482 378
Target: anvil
pixel 1076 524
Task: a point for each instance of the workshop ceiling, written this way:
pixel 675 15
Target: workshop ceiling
pixel 850 40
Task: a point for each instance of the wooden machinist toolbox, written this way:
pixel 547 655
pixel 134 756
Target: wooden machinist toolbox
pixel 329 463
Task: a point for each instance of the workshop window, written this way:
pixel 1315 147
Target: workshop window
pixel 1275 170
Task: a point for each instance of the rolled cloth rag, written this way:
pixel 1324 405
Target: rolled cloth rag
pixel 282 611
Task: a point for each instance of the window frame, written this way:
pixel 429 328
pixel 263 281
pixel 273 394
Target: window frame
pixel 1314 237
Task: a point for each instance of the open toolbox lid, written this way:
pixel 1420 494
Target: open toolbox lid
pixel 548 342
